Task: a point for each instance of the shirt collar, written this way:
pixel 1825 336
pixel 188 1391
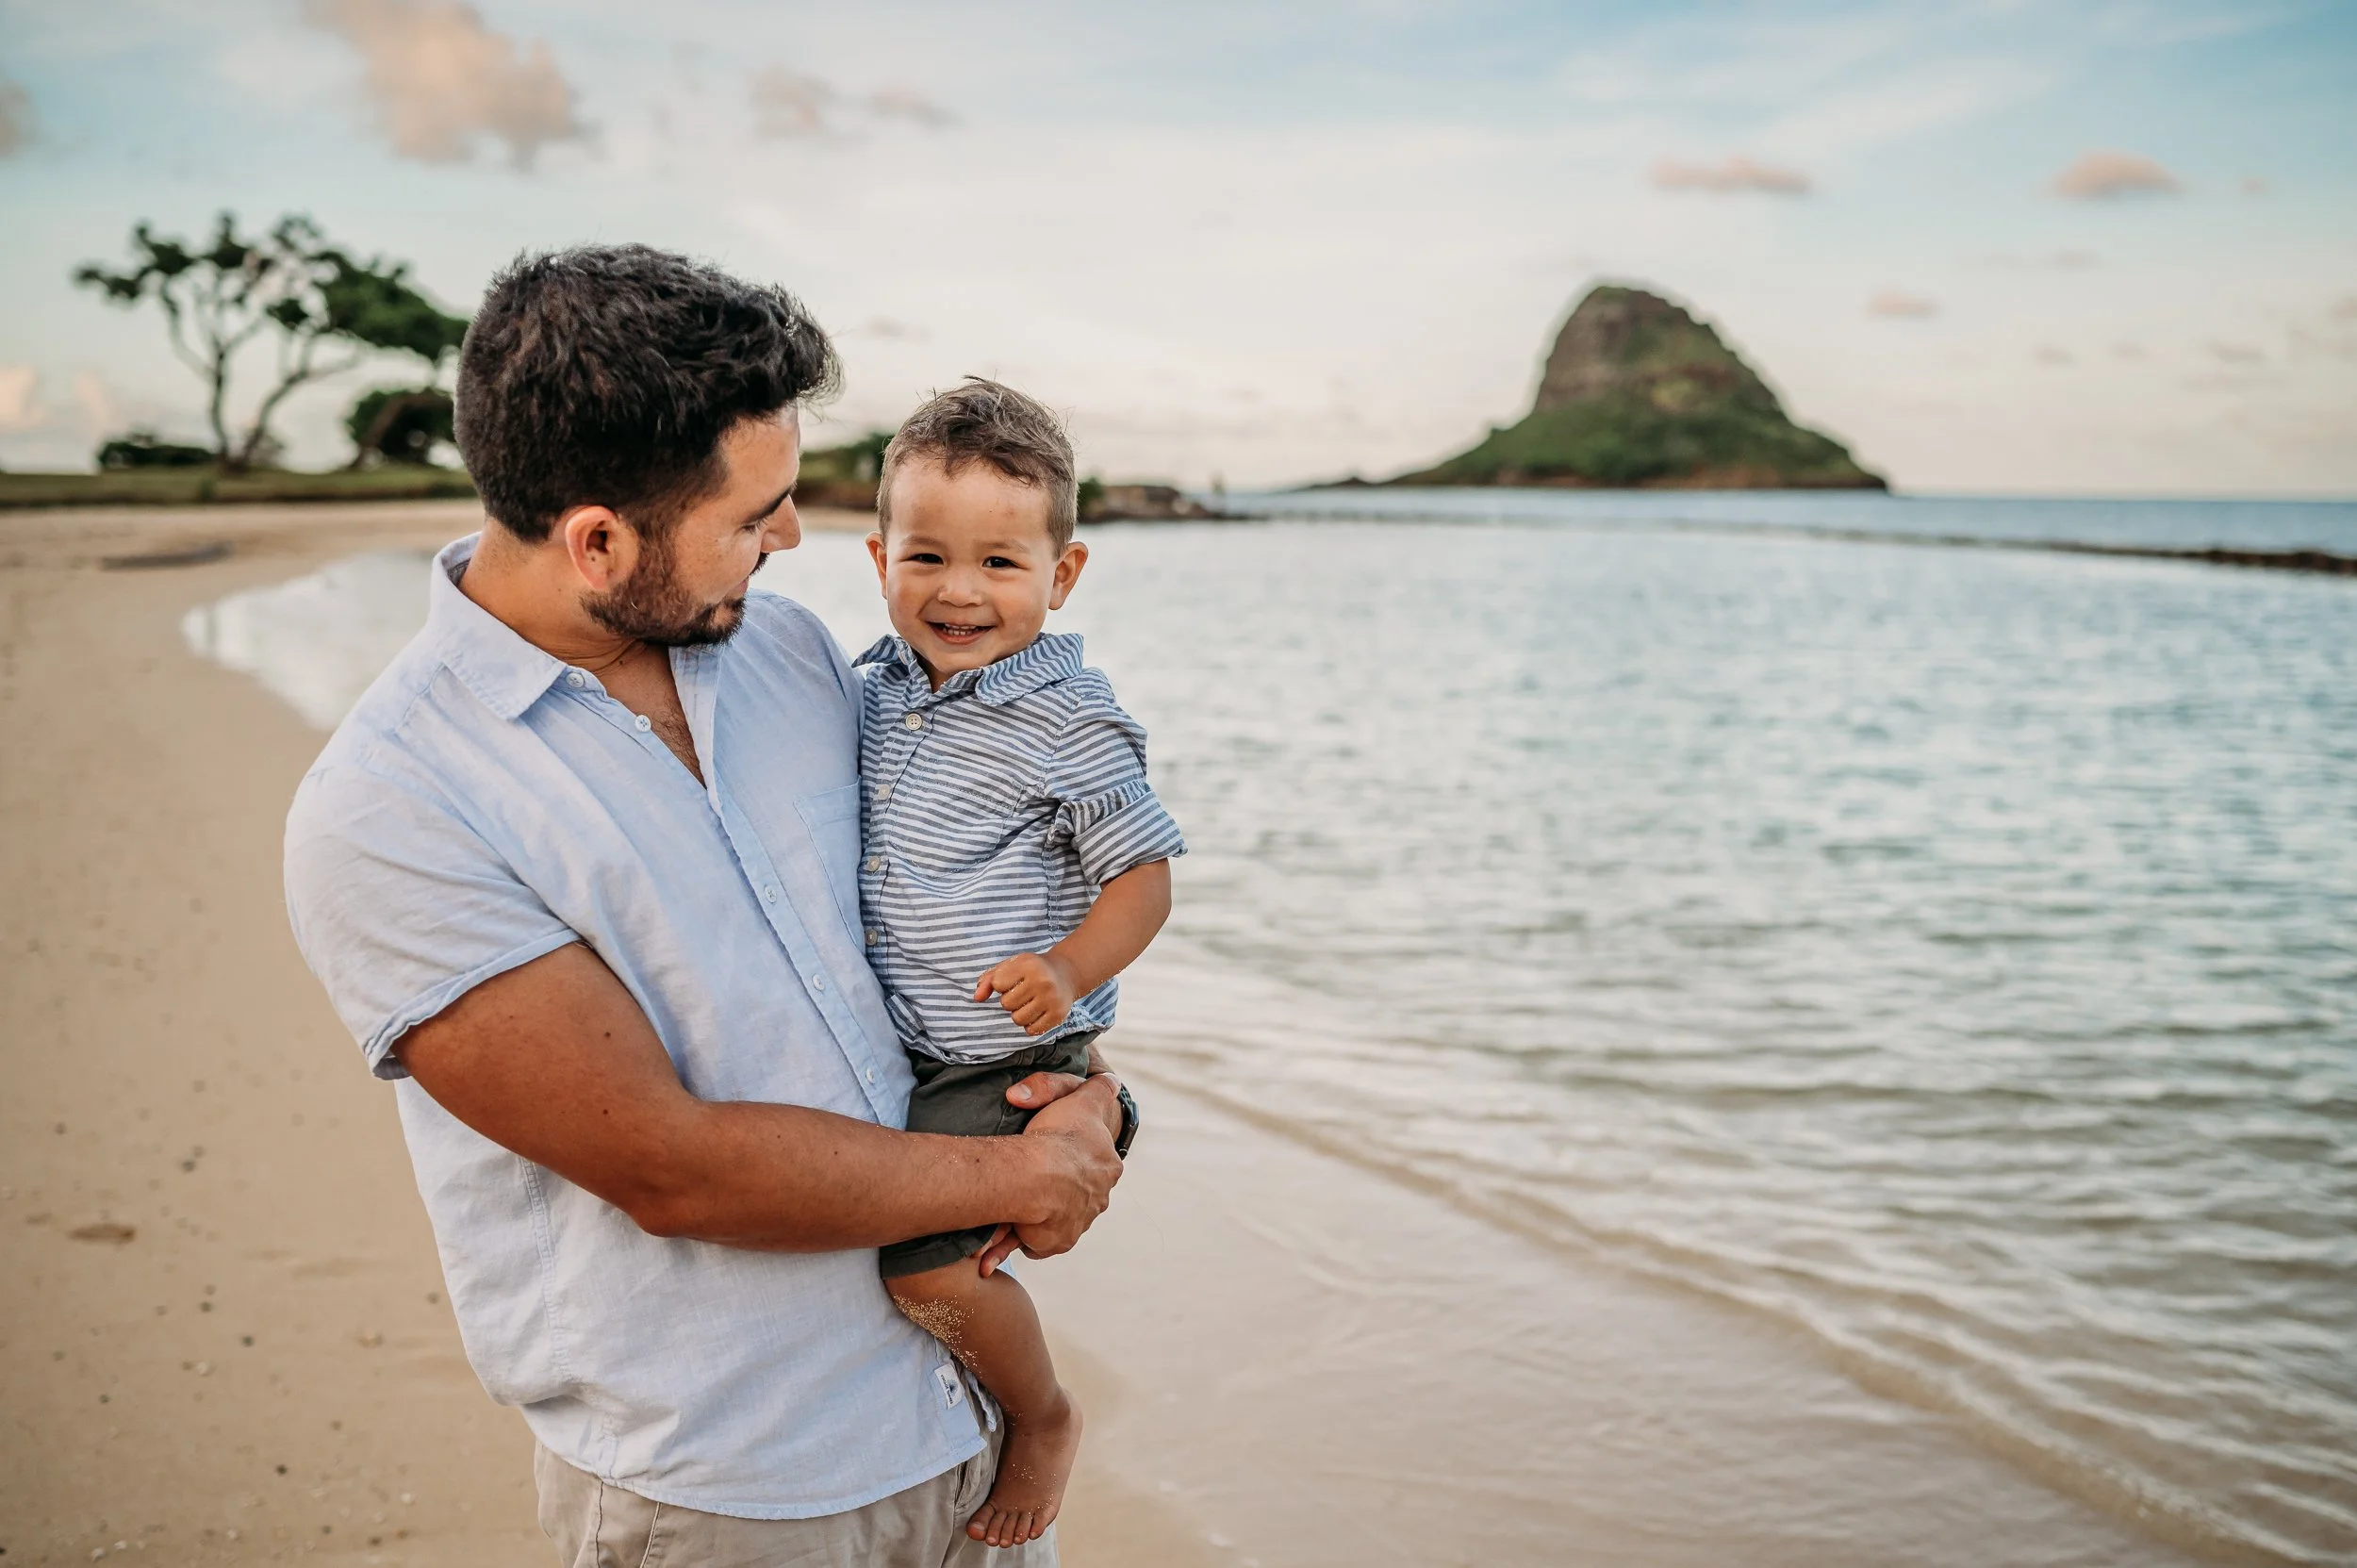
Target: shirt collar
pixel 506 673
pixel 1052 656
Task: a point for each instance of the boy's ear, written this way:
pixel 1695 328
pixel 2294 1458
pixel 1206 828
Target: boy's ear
pixel 1068 565
pixel 876 554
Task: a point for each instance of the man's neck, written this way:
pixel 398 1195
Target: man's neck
pixel 531 590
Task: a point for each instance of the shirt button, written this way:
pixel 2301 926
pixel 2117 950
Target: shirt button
pixel 915 722
pixel 645 723
pixel 871 938
pixel 818 983
pixel 883 792
pixel 576 678
pixel 875 863
pixel 771 894
pixel 871 1075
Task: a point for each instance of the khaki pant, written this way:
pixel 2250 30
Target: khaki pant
pixel 596 1525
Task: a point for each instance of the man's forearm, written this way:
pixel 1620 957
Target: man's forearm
pixel 555 1061
pixel 788 1179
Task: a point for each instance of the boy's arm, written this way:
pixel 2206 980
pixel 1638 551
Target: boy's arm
pixel 1038 989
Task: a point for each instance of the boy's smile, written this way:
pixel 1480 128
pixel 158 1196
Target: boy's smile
pixel 968 568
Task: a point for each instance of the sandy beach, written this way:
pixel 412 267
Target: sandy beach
pixel 223 1337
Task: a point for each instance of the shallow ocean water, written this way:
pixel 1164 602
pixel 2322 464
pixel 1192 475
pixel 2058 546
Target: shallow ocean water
pixel 1952 953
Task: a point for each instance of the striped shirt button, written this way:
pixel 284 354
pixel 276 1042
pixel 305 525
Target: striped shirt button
pixel 872 937
pixel 883 792
pixel 875 863
pixel 915 722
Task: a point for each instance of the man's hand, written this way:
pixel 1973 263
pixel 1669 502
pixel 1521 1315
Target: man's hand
pixel 1036 989
pixel 1086 1105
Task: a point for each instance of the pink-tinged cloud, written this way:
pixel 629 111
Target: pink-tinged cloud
pixel 788 104
pixel 2103 176
pixel 1903 307
pixel 442 82
pixel 16 118
pixel 901 103
pixel 1734 176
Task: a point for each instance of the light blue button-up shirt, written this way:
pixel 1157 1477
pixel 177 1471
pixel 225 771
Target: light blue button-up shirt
pixel 485 803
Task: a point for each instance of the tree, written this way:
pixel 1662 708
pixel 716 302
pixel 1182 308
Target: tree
pixel 401 424
pixel 220 298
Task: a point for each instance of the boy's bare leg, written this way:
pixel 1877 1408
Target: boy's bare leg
pixel 989 1323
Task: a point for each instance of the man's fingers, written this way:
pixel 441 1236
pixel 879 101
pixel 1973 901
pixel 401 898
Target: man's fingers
pixel 1003 1245
pixel 1042 1089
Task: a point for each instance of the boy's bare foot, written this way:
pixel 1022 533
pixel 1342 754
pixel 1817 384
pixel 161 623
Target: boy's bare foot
pixel 1034 1465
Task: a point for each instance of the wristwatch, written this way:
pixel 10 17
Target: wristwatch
pixel 1128 1122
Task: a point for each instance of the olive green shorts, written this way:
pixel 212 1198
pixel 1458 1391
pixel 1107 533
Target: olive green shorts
pixel 968 1099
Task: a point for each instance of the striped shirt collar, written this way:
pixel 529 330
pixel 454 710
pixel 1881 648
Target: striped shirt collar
pixel 1053 656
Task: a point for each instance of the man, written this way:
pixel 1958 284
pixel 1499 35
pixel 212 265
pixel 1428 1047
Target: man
pixel 580 872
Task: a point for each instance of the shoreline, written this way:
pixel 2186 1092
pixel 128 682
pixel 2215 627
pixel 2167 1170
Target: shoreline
pixel 1284 1356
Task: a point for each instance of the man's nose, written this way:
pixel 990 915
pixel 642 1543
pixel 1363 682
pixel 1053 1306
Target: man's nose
pixel 785 529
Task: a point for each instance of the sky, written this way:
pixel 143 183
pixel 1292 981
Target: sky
pixel 2106 247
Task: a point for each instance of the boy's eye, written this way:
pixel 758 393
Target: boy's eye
pixel 997 562
pixel 923 557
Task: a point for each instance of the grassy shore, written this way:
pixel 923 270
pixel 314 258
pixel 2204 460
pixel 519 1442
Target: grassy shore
pixel 213 485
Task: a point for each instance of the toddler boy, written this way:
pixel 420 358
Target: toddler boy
pixel 1015 858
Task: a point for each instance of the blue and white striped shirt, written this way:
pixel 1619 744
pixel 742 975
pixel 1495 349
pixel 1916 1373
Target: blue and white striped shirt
pixel 992 812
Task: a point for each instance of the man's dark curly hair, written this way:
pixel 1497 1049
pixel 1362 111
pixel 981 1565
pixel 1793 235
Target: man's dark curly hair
pixel 607 375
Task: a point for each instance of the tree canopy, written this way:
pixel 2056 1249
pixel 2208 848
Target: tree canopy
pixel 310 296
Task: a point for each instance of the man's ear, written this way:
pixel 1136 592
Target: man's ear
pixel 600 544
pixel 876 554
pixel 1068 565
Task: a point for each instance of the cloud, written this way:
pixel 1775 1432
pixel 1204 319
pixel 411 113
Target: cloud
pixel 2053 353
pixel 2100 177
pixel 443 82
pixel 2255 185
pixel 788 104
pixel 2236 353
pixel 901 103
pixel 1890 302
pixel 19 398
pixel 1735 174
pixel 16 118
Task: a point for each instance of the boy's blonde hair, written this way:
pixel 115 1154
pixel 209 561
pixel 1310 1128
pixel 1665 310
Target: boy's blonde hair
pixel 984 422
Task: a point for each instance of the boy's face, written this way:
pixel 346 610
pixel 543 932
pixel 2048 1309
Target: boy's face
pixel 968 569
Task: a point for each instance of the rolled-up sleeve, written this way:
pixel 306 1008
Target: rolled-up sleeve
pixel 400 907
pixel 1105 808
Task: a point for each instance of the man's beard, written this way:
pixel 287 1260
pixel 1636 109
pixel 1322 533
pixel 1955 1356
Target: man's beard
pixel 651 607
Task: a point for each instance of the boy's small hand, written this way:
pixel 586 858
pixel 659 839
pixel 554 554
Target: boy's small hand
pixel 1034 988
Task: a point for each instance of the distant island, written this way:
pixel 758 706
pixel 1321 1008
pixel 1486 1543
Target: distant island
pixel 1638 393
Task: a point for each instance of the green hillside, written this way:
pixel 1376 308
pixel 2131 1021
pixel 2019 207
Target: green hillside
pixel 1637 392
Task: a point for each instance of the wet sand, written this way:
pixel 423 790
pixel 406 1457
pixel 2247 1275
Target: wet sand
pixel 223 1338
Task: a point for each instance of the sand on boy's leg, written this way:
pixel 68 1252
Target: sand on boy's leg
pixel 988 1322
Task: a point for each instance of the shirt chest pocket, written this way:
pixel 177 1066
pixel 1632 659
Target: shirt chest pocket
pixel 831 818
